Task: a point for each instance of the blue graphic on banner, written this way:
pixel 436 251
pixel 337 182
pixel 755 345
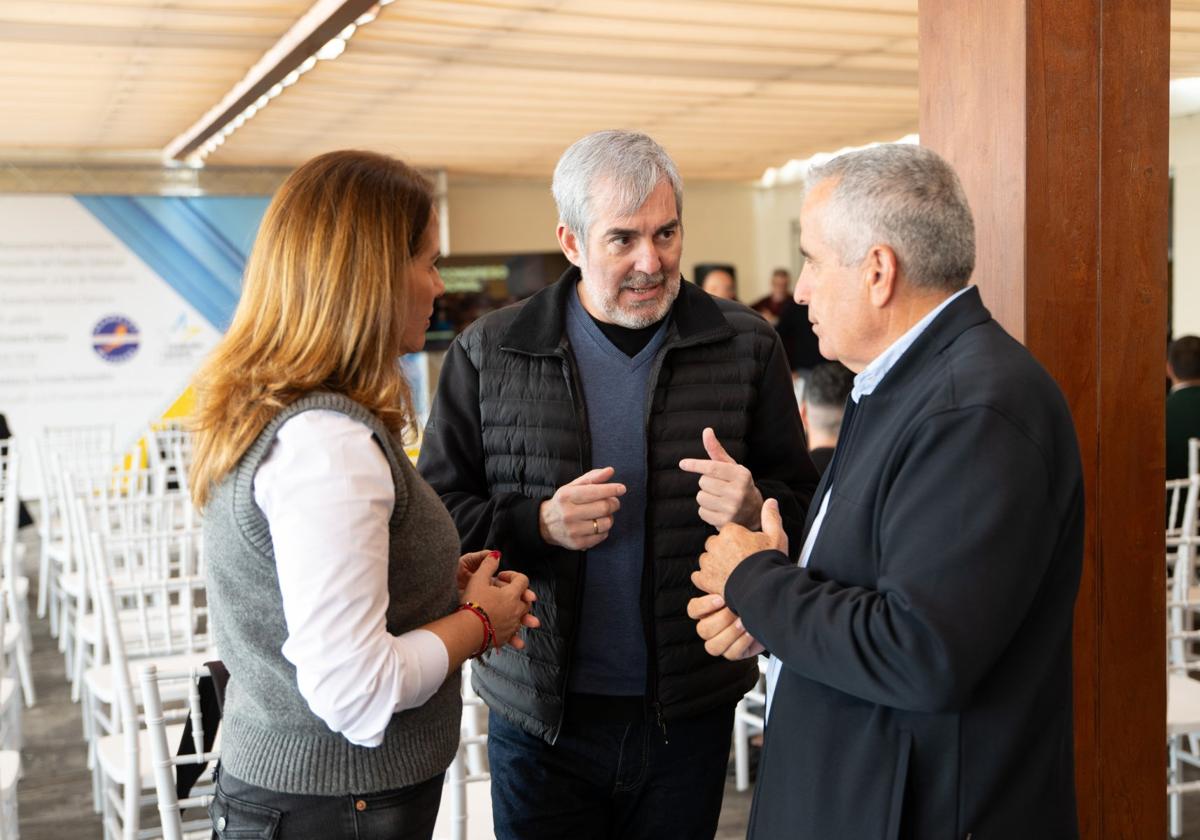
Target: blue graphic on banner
pixel 115 338
pixel 197 245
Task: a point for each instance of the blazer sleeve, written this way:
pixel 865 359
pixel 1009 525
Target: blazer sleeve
pixel 966 533
pixel 777 453
pixel 452 461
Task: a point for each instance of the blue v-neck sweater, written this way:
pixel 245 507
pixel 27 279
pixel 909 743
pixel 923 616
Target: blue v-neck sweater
pixel 610 653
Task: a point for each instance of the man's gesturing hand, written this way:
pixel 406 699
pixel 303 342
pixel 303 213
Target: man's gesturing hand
pixel 724 552
pixel 727 492
pixel 580 514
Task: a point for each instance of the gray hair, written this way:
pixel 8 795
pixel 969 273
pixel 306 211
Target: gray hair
pixel 904 196
pixel 632 164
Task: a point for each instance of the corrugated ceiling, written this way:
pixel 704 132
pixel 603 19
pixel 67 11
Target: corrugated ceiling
pixel 478 86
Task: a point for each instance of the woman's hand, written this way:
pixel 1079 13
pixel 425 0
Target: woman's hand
pixel 468 564
pixel 505 597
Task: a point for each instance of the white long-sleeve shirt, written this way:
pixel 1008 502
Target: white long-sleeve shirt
pixel 327 492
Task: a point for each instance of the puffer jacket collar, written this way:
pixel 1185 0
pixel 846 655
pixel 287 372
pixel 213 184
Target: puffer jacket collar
pixel 540 327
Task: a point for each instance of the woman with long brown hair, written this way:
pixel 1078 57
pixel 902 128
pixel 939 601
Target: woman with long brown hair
pixel 339 603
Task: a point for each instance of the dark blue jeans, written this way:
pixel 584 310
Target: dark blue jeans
pixel 241 810
pixel 610 780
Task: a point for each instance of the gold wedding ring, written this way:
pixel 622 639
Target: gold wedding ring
pixel 595 526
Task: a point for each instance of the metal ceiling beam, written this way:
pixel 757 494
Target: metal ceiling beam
pixel 317 26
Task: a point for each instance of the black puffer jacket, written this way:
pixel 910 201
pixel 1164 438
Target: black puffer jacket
pixel 509 427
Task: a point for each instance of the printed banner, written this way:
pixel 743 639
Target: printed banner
pixel 108 304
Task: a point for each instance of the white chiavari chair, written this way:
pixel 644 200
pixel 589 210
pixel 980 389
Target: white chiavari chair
pixel 136 558
pixel 470 761
pixel 14 587
pixel 10 756
pixel 146 621
pixel 10 485
pixel 169 446
pixel 62 447
pixel 748 721
pixel 162 747
pixel 111 503
pixel 1183 659
pixel 68 477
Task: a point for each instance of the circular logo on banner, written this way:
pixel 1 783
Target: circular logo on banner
pixel 115 338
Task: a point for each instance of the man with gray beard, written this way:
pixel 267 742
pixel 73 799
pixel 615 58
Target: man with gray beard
pixel 596 434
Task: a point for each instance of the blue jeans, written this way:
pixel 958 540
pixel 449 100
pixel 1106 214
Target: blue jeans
pixel 241 810
pixel 610 780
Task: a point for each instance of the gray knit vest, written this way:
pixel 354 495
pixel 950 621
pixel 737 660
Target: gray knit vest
pixel 270 737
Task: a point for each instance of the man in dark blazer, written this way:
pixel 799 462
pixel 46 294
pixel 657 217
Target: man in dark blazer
pixel 920 679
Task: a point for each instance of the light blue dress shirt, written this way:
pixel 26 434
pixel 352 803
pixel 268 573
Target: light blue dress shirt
pixel 865 383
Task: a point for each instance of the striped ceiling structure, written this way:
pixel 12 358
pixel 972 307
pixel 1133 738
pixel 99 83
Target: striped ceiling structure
pixel 494 87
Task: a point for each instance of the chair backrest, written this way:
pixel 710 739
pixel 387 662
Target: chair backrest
pixel 10 504
pixel 77 449
pixel 67 447
pixel 143 618
pixel 169 446
pixel 121 504
pixel 1183 606
pixel 82 440
pixel 1182 501
pixel 157 587
pixel 9 501
pixel 162 755
pixel 98 481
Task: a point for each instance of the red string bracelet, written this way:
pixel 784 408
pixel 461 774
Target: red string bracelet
pixel 489 633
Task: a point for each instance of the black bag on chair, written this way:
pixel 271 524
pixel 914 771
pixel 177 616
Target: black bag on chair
pixel 212 703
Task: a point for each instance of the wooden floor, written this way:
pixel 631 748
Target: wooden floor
pixel 54 794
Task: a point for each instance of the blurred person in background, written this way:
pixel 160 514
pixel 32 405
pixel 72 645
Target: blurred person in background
pixel 821 406
pixel 1183 403
pixel 720 281
pixel 23 517
pixel 772 305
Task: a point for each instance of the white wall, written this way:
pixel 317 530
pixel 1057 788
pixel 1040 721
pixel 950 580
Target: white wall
pixel 500 216
pixel 1185 235
pixel 777 210
pixel 718 226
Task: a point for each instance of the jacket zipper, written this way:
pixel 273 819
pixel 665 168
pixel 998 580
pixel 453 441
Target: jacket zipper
pixel 648 567
pixel 585 459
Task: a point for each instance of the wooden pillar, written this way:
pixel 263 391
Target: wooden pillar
pixel 1054 113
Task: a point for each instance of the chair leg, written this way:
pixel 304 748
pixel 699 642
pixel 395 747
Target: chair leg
pixel 1175 776
pixel 456 778
pixel 66 615
pixel 81 660
pixel 741 747
pixel 98 796
pixel 15 739
pixel 476 755
pixel 26 634
pixel 25 671
pixel 88 707
pixel 43 601
pixel 52 611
